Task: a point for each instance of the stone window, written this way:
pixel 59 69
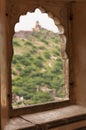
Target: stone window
pixel 40 66
pixel 61 19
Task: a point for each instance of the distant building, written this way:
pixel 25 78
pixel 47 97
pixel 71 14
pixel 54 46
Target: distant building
pixel 37 27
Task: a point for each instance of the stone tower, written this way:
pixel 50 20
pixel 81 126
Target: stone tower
pixel 37 27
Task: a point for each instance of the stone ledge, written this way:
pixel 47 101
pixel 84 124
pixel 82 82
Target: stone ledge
pixel 48 119
pixel 19 124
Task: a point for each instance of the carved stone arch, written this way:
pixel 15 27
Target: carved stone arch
pixel 16 9
pixel 13 13
pixel 13 18
pixel 63 47
pixel 56 21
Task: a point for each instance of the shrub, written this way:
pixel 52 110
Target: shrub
pixel 44 41
pixel 28 43
pixel 41 47
pixel 36 34
pixel 56 52
pixel 47 54
pixel 38 63
pixel 41 97
pixel 15 43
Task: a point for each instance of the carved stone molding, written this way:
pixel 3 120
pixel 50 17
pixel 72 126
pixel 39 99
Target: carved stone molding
pixel 15 8
pixel 12 8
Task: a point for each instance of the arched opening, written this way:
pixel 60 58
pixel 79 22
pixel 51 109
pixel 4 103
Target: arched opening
pixel 39 61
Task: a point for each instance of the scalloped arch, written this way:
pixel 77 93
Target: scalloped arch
pixel 59 26
pixel 56 20
pixel 63 45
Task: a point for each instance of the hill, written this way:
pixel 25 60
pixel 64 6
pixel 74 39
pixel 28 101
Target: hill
pixel 37 68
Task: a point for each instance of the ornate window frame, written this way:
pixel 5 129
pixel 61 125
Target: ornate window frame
pixel 13 11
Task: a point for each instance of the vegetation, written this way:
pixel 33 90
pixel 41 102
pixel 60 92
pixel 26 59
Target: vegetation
pixel 37 68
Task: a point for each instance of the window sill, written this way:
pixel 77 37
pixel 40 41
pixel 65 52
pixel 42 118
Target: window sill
pixel 48 119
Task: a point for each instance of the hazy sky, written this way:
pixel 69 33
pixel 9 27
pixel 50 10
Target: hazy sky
pixel 27 22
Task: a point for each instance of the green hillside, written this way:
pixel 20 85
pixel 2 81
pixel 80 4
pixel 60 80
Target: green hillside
pixel 37 68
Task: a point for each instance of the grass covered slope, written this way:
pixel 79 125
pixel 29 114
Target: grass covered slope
pixel 37 67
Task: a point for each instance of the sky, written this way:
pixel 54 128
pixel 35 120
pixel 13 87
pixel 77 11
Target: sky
pixel 27 22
